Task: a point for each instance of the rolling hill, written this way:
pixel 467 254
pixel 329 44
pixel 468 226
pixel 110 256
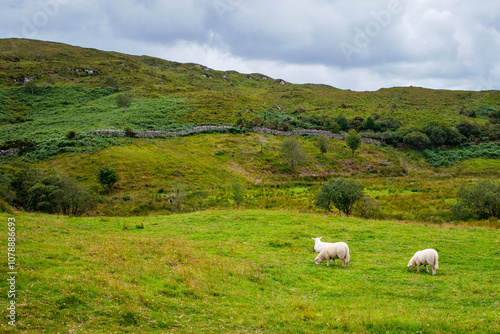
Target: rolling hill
pixel 210 96
pixel 48 90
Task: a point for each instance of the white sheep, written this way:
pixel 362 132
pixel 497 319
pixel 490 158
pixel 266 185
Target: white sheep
pixel 425 257
pixel 338 250
pixel 318 246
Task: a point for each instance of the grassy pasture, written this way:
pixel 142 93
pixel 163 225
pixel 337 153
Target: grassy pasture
pixel 249 271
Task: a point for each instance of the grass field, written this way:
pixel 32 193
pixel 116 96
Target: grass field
pixel 249 271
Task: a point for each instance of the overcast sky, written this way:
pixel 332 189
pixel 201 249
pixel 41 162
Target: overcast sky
pixel 349 44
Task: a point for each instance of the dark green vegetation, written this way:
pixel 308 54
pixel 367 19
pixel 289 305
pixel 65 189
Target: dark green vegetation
pixel 340 193
pixel 249 271
pixel 107 177
pixel 482 199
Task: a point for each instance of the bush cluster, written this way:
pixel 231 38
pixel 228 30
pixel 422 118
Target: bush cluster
pixel 386 129
pixel 29 189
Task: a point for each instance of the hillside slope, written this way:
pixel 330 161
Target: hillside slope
pixel 49 90
pixel 212 96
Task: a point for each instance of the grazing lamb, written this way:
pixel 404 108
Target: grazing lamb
pixel 425 257
pixel 338 250
pixel 318 246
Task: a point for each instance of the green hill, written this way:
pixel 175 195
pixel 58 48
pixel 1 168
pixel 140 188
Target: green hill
pixel 66 73
pixel 48 90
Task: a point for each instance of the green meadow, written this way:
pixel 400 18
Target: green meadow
pixel 249 271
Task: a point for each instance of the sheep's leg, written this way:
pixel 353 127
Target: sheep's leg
pixel 418 268
pixel 426 269
pixel 335 261
pixel 433 271
pixel 327 262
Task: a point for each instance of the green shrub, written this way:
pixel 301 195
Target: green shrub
pixel 71 134
pixel 293 152
pixel 468 129
pixel 123 101
pixel 440 134
pixel 417 140
pixel 343 122
pixel 392 137
pixel 388 124
pixel 238 192
pixel 323 144
pixel 129 132
pixel 356 123
pixel 482 200
pixel 369 124
pixel 366 207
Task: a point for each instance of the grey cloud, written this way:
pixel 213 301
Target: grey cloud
pixel 385 40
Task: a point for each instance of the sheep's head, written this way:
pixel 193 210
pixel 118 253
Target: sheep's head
pixel 318 260
pixel 317 239
pixel 411 264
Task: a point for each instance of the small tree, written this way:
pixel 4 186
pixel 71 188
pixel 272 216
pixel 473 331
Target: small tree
pixel 293 152
pixel 179 192
pixel 107 177
pixel 341 193
pixel 482 200
pixel 262 142
pixel 238 191
pixel 31 86
pixel 323 144
pixel 124 101
pixel 353 140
